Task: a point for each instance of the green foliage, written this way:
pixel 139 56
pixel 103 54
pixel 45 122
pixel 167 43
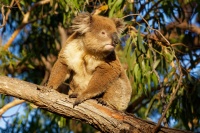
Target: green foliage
pixel 115 7
pixel 141 64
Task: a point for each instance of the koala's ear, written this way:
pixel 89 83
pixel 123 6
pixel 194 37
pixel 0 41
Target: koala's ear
pixel 81 23
pixel 120 25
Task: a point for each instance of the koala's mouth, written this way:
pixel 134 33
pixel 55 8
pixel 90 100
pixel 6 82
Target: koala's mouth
pixel 109 47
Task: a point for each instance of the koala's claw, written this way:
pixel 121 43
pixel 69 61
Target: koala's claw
pixel 44 89
pixel 101 101
pixel 76 103
pixel 73 95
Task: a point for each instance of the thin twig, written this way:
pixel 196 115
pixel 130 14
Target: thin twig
pixel 148 26
pixel 171 99
pixel 179 44
pixel 10 105
pixel 162 94
pixel 162 89
pixel 154 61
pixel 5 17
pixel 20 8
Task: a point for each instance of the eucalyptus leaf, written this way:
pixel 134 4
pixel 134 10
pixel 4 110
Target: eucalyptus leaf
pixel 156 63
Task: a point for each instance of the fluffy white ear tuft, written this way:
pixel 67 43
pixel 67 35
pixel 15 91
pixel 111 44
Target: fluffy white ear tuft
pixel 81 23
pixel 120 25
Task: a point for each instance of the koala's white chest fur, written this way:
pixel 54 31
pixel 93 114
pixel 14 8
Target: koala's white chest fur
pixel 82 64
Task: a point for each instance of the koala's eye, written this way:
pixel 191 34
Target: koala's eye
pixel 103 32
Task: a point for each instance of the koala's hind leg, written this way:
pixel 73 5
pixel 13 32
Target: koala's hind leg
pixel 59 74
pixel 119 93
pixel 102 78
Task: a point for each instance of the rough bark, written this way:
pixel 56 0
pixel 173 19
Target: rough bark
pixel 100 117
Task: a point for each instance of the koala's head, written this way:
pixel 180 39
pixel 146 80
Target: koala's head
pixel 99 34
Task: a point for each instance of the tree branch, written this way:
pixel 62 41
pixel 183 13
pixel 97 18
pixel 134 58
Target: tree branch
pixel 5 18
pixel 10 105
pixel 100 117
pixel 25 22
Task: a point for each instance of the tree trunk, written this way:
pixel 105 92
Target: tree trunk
pixel 100 117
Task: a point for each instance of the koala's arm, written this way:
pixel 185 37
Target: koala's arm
pixel 60 71
pixel 103 76
pixel 59 74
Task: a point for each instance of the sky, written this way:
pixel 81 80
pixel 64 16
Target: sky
pixel 7 116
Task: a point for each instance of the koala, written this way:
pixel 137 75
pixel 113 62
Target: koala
pixel 89 62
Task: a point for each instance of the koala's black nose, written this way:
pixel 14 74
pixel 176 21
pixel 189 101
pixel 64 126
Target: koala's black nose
pixel 115 39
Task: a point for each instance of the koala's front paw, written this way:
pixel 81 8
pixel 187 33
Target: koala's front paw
pixel 73 95
pixel 77 102
pixel 101 101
